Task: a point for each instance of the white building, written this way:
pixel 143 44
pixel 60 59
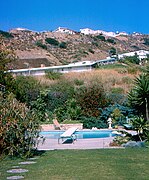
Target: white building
pixel 141 54
pixel 73 67
pixel 87 31
pixel 122 34
pixel 18 30
pixel 64 30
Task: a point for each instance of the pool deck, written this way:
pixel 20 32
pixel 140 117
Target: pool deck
pixel 92 143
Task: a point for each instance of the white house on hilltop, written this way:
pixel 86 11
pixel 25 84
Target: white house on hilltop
pixel 64 30
pixel 87 31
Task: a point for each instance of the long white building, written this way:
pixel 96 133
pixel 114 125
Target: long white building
pixel 74 67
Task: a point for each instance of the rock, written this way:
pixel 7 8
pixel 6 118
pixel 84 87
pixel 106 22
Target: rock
pixel 134 144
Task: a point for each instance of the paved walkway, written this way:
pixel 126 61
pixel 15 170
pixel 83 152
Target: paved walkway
pixel 94 143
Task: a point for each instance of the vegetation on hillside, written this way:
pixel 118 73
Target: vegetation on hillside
pixel 60 48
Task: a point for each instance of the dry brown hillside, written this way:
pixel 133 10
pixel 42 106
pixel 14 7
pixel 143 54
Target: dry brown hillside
pixel 33 50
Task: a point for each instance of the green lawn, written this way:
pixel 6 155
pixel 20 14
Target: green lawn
pixel 103 164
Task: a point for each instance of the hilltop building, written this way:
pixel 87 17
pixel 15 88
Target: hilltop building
pixel 65 30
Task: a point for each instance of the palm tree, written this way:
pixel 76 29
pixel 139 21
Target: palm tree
pixel 138 97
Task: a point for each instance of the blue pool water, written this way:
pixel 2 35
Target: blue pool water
pixel 80 134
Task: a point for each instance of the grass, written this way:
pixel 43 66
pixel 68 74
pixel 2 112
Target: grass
pixel 107 164
pixel 110 77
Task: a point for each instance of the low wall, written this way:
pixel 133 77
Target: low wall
pixel 48 127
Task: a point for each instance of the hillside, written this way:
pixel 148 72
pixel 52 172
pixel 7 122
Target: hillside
pixel 35 49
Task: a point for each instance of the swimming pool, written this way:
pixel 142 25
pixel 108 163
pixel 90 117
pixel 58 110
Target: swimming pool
pixel 84 134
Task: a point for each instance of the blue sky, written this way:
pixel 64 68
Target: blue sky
pixel 109 15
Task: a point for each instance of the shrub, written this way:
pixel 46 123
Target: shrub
pixel 90 122
pixel 78 82
pixel 70 110
pixel 124 110
pixel 6 34
pixel 53 75
pixel 27 89
pixel 6 58
pixel 53 100
pixel 39 44
pixel 91 97
pixel 119 140
pixel 127 80
pixel 117 90
pixel 132 59
pixel 91 51
pixel 63 45
pixel 63 86
pixel 146 41
pixel 132 70
pixel 102 38
pixel 19 127
pixel 52 41
pixel 112 51
pixel 117 98
pixel 95 44
pixel 111 41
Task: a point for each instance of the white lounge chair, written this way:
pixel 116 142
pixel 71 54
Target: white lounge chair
pixel 69 134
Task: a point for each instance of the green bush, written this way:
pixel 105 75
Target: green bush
pixel 52 41
pixel 63 45
pixel 91 97
pixel 91 51
pixel 90 122
pixel 27 88
pixel 101 37
pixel 39 44
pixel 69 111
pixel 119 140
pixel 112 51
pixel 131 59
pixel 19 127
pixel 111 41
pixel 54 100
pixel 6 34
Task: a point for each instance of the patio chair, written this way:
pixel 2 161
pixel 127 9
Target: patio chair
pixel 57 126
pixel 68 134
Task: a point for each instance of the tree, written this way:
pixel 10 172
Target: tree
pixel 138 97
pixel 91 97
pixel 19 127
pixel 6 57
